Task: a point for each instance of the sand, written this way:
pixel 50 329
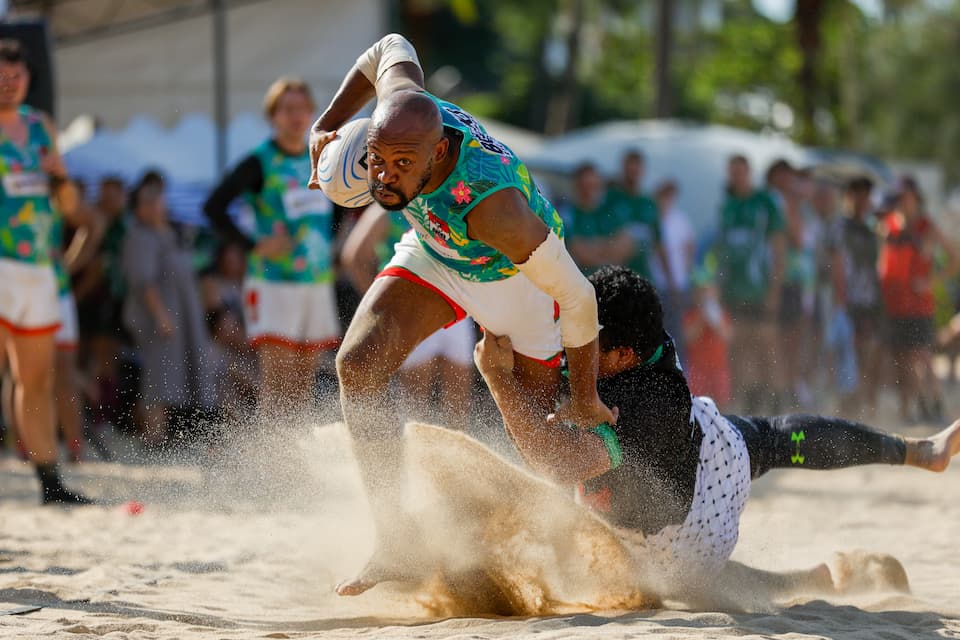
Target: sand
pixel 236 549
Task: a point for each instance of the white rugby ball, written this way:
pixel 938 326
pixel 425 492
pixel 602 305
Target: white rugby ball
pixel 342 166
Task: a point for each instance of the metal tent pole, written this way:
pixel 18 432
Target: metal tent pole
pixel 220 82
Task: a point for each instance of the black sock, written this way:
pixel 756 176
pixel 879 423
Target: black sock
pixel 52 489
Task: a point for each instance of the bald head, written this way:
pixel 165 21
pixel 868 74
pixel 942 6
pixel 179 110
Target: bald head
pixel 406 115
pixel 404 141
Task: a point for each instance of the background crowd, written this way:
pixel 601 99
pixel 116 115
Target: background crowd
pixel 807 292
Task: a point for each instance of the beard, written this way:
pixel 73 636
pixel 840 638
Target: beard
pixel 377 188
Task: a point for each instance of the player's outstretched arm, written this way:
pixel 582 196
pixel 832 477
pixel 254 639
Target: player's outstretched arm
pixel 359 254
pixel 563 453
pixel 505 222
pixel 390 65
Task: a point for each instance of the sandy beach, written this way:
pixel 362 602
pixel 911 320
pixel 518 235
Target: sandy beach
pixel 244 549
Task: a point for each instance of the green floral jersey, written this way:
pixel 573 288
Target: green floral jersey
pixel 26 213
pixel 307 216
pixel 484 167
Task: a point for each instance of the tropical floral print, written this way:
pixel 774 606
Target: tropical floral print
pixel 285 204
pixel 485 166
pixel 26 213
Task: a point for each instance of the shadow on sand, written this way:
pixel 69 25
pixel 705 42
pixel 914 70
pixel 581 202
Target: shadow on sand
pixel 816 618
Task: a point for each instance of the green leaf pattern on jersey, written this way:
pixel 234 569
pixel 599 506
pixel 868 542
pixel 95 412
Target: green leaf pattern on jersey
pixel 56 254
pixel 484 167
pixel 26 213
pixel 285 203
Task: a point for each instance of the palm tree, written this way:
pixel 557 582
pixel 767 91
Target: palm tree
pixel 808 19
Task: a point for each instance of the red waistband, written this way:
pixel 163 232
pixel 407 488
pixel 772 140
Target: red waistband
pixel 400 272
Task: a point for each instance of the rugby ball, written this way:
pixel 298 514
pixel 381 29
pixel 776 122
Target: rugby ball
pixel 342 166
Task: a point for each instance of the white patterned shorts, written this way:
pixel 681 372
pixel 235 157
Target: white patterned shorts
pixel 690 555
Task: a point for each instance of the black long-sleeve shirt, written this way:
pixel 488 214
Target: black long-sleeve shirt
pixel 654 485
pixel 246 177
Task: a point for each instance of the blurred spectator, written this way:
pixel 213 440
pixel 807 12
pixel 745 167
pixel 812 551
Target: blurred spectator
pixel 642 220
pixel 221 285
pixel 708 331
pixel 234 361
pixel 290 303
pixel 679 246
pixel 750 262
pixel 836 324
pixel 679 240
pixel 856 287
pixel 86 228
pixel 910 242
pixel 445 359
pixel 99 289
pixel 596 226
pixel 796 299
pixel 151 178
pixel 948 343
pixel 162 311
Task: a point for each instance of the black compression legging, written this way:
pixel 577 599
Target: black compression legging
pixel 815 442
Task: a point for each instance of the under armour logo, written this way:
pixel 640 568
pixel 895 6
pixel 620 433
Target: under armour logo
pixel 797 437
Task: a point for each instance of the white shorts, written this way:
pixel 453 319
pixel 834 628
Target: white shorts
pixel 68 333
pixel 691 555
pixel 300 316
pixel 28 298
pixel 453 343
pixel 513 307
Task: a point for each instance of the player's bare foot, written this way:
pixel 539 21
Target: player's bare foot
pixel 356 586
pixel 862 572
pixel 934 453
pixel 820 579
pixel 817 580
pixel 382 567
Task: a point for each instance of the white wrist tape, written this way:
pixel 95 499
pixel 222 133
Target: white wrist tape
pixel 554 272
pixel 390 50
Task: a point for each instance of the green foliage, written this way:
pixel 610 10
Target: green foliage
pixel 621 81
pixel 882 86
pixel 910 98
pixel 748 55
pixel 481 104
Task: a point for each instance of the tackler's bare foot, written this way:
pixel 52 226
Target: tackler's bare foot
pixel 934 453
pixel 861 571
pixel 818 580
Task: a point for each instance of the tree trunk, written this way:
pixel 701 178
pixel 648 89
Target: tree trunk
pixel 563 102
pixel 808 15
pixel 850 84
pixel 664 49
